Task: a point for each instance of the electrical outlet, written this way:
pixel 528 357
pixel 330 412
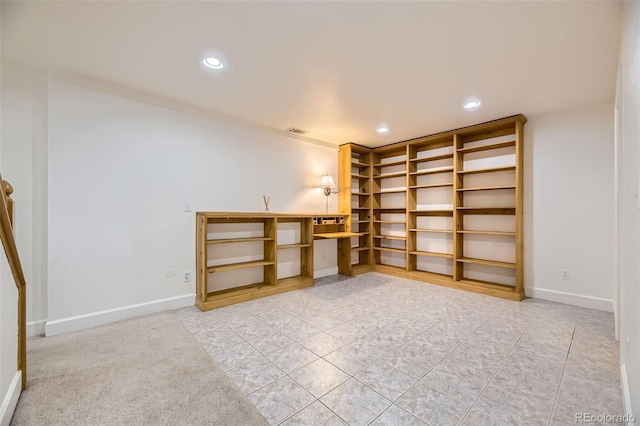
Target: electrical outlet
pixel 564 274
pixel 323 255
pixel 187 206
pixel 187 276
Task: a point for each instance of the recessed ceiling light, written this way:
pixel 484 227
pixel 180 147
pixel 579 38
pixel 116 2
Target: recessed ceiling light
pixel 213 63
pixel 383 129
pixel 472 104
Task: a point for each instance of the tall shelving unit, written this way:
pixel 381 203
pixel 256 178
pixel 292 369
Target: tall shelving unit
pixel 460 223
pixel 355 200
pixel 389 207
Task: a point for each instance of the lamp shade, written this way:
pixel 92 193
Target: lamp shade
pixel 327 181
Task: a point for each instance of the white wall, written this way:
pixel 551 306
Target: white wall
pixel 24 140
pixel 628 172
pixel 119 173
pixel 569 206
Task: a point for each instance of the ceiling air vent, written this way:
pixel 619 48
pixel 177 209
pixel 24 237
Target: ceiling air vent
pixel 296 131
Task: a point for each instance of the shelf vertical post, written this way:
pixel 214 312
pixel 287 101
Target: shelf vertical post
pixel 519 208
pixel 458 201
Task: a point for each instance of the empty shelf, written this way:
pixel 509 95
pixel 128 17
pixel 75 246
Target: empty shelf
pixel 495 145
pixel 241 265
pixel 331 235
pixel 239 240
pixel 440 231
pixel 431 158
pixel 389 221
pixel 290 246
pixel 391 163
pixel 393 250
pixel 397 209
pixel 358 164
pixel 390 191
pixel 390 237
pixel 487 232
pixel 432 212
pixel 487 188
pixel 488 262
pixel 390 175
pixel 488 210
pixel 432 171
pixel 433 185
pixel 487 170
pixel 432 254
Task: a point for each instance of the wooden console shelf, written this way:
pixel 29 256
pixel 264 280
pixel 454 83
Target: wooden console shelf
pixel 312 226
pixel 477 171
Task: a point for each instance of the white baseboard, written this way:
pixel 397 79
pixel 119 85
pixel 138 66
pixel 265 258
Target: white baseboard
pixel 95 319
pixel 570 298
pixel 11 400
pixel 624 386
pixel 325 272
pixel 36 328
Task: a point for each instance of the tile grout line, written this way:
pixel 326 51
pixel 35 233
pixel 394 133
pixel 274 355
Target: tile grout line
pixel 438 363
pixel 564 366
pixel 494 375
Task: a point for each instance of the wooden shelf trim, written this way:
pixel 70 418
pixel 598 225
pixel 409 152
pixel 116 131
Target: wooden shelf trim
pixel 358 164
pixel 432 212
pixel 487 170
pixel 390 221
pixel 433 185
pixel 390 237
pixel 360 193
pixel 332 235
pixel 290 246
pixel 389 249
pixel 487 262
pixel 390 191
pixel 398 209
pixel 238 240
pixel 432 254
pixel 356 248
pixel 390 175
pixel 432 171
pixel 391 163
pixel 486 147
pixel 488 210
pixel 440 231
pixel 487 188
pixel 466 231
pixel 240 265
pixel 357 176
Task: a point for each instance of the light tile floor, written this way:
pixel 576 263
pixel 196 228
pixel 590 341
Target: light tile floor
pixel 381 350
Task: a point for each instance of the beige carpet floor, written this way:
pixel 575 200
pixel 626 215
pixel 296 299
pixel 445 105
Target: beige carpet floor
pixel 145 371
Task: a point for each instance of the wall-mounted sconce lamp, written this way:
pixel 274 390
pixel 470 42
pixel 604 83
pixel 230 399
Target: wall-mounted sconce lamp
pixel 327 184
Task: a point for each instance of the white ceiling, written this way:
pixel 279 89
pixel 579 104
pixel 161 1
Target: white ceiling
pixel 337 70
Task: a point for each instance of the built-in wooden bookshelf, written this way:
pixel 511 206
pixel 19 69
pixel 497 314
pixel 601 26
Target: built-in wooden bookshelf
pixel 445 208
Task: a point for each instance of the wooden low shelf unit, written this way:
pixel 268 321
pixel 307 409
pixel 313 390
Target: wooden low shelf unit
pixel 331 226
